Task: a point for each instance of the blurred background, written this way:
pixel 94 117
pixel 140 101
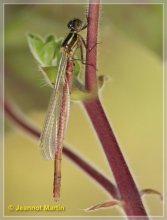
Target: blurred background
pixel 131 54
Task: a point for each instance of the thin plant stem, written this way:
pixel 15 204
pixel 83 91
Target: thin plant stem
pixel 98 177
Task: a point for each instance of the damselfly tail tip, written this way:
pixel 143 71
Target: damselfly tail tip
pixel 56 194
pixel 56 197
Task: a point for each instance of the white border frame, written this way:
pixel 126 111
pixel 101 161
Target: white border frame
pixel 10 2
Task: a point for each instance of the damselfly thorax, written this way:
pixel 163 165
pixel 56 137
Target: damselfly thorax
pixel 74 40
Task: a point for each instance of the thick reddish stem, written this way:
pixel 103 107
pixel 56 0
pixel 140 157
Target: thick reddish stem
pixel 93 16
pixel 126 185
pixel 128 191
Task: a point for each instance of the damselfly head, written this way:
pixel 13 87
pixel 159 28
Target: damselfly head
pixel 75 24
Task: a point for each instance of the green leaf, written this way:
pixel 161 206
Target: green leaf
pixel 80 95
pixel 102 79
pixel 58 53
pixel 50 38
pixel 76 68
pixel 48 54
pixel 49 74
pixel 45 52
pixel 35 43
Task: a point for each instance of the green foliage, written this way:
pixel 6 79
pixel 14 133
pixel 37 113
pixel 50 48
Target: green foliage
pixel 77 68
pixel 47 53
pixel 49 73
pixel 44 51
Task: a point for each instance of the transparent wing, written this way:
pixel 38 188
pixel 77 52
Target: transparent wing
pixel 60 122
pixel 57 115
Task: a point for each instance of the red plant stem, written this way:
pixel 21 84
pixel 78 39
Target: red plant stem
pixel 88 169
pixel 93 16
pixel 128 191
pixel 126 185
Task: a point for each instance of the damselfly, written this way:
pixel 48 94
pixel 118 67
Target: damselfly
pixel 58 110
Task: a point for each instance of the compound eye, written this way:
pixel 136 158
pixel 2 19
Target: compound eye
pixel 70 24
pixel 77 23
